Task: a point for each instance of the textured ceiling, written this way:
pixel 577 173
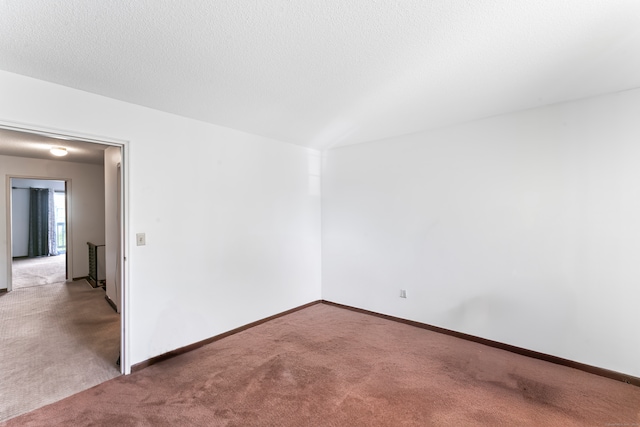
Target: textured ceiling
pixel 331 72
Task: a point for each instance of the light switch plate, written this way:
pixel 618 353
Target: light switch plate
pixel 141 239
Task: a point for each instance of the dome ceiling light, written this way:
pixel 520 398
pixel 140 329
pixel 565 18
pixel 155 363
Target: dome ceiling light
pixel 58 151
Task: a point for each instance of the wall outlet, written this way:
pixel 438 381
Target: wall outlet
pixel 141 239
pixel 403 293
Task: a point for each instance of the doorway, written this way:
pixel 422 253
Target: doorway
pixel 68 222
pixel 38 232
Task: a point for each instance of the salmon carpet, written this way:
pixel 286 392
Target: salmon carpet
pixel 327 366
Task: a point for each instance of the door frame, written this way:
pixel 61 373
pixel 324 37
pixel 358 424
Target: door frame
pixel 125 359
pixel 67 214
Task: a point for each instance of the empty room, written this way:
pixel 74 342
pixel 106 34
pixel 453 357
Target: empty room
pixel 347 213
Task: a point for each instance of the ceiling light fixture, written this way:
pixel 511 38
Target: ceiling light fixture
pixel 58 151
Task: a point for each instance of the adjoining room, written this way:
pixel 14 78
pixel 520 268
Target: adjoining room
pixel 39 232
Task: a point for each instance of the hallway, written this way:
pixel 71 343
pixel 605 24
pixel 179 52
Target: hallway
pixel 55 341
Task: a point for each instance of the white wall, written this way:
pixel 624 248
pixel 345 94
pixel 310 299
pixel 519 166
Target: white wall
pixel 232 220
pixel 57 186
pixel 523 228
pixel 85 199
pixel 20 201
pixel 112 157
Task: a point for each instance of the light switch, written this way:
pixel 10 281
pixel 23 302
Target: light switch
pixel 141 239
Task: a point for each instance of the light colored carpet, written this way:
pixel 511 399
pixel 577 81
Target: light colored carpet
pixel 55 341
pixel 28 272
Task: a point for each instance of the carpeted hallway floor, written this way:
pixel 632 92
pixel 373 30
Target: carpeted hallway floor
pixel 326 366
pixel 55 340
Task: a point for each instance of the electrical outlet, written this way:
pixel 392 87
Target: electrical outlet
pixel 403 293
pixel 141 239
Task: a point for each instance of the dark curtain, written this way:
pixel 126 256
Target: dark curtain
pixel 39 222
